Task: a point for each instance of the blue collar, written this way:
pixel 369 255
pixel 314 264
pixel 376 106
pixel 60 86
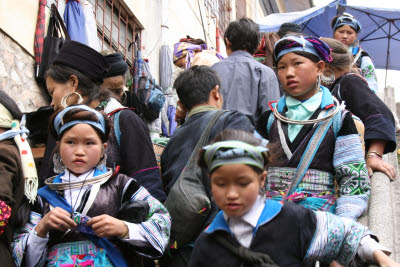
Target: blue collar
pixel 241 53
pixel 327 100
pixel 271 209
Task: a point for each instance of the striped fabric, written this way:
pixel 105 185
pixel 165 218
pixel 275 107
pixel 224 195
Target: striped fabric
pixel 157 228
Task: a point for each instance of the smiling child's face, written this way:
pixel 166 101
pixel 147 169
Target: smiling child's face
pixel 235 188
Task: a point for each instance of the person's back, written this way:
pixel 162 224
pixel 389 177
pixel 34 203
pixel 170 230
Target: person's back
pixel 246 85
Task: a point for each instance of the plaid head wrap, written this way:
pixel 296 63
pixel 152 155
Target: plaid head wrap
pixel 347 20
pixel 233 152
pixel 310 45
pixel 60 126
pixel 184 49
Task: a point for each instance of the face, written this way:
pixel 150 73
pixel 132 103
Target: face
pixel 345 34
pixel 81 149
pixel 116 86
pixel 181 63
pixel 235 188
pixel 57 91
pixel 298 75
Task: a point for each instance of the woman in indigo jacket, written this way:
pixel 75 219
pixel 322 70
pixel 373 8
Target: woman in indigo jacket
pixel 318 140
pixel 251 230
pixel 353 90
pixel 91 215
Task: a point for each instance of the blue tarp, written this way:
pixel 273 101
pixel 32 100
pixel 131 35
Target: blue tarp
pixel 75 21
pixel 379 37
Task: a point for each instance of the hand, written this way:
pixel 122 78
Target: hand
pixel 384 260
pixel 376 164
pixel 56 219
pixel 335 264
pixel 108 226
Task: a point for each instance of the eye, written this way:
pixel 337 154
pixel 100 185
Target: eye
pixel 90 143
pixel 69 142
pixel 244 184
pixel 298 63
pixel 281 67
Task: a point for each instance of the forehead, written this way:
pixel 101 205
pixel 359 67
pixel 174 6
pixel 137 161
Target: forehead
pixel 82 131
pixel 346 28
pixel 289 57
pixel 234 172
pixel 114 82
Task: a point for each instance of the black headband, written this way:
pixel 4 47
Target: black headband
pixel 117 64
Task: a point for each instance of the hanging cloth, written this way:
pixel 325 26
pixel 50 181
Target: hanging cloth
pixel 90 27
pixel 75 21
pixel 39 32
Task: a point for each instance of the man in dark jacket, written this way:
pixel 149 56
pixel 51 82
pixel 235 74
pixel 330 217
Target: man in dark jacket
pixel 199 96
pixel 198 91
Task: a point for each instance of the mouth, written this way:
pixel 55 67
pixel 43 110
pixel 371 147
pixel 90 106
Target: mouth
pixel 291 84
pixel 233 206
pixel 79 161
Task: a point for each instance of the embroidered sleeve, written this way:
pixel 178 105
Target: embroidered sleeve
pixel 351 173
pixel 335 238
pixel 5 213
pixel 368 72
pixel 156 229
pixel 20 243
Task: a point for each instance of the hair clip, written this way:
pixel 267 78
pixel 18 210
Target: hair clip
pixel 304 42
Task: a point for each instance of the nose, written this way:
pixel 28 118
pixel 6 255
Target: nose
pixel 79 151
pixel 232 193
pixel 52 104
pixel 289 71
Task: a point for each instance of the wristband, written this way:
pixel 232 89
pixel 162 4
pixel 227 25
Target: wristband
pixel 375 153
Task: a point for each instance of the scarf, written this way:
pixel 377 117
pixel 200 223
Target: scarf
pixel 20 133
pixel 188 50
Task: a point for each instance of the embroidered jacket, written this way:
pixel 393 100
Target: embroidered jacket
pixel 366 66
pixel 115 193
pixel 290 234
pixel 338 158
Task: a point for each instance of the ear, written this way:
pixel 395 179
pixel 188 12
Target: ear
pixel 104 147
pixel 320 67
pixel 181 106
pixel 263 178
pixel 74 82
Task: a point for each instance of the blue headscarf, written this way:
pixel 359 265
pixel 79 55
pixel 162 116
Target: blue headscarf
pixel 347 20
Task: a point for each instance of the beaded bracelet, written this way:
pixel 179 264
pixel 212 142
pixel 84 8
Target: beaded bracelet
pixel 375 153
pixel 373 156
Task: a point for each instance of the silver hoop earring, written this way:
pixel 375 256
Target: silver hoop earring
pixel 59 166
pixel 328 79
pixel 318 85
pixel 102 163
pixel 64 99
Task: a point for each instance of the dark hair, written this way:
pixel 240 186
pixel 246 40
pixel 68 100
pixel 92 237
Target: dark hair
pixel 10 105
pixel 341 57
pixel 230 134
pixel 194 85
pixel 61 74
pixel 191 40
pixel 244 34
pixel 288 27
pixel 82 115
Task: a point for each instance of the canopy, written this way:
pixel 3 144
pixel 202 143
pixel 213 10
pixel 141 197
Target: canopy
pixel 379 37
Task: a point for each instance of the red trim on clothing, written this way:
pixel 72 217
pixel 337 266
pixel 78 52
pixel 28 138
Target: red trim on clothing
pixel 153 168
pixel 329 106
pixel 270 104
pixel 118 109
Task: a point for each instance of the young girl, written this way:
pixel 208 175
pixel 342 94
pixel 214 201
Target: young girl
pixel 352 89
pixel 346 29
pixel 318 140
pixel 253 231
pixel 90 213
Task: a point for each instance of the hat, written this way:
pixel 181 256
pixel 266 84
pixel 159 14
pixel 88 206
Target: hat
pixel 117 64
pixel 84 59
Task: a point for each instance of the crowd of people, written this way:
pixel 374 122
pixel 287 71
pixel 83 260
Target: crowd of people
pixel 292 131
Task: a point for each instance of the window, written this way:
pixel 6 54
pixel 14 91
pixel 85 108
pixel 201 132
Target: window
pixel 117 28
pixel 219 10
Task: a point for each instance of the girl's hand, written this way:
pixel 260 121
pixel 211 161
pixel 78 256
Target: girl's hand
pixel 56 219
pixel 384 260
pixel 108 226
pixel 335 264
pixel 376 164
